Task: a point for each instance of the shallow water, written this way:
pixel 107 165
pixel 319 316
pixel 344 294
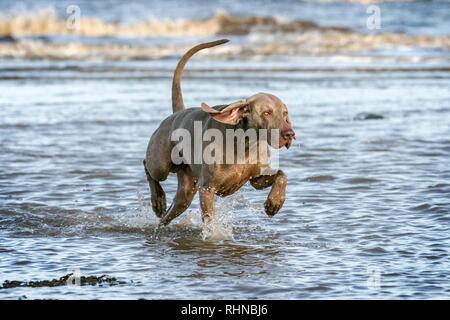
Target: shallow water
pixel 361 193
pixel 367 212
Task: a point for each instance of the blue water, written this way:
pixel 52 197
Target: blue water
pixel 367 209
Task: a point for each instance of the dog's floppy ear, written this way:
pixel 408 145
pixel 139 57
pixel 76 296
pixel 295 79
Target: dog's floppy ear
pixel 231 114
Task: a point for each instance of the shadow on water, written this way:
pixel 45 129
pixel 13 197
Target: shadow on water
pixel 216 261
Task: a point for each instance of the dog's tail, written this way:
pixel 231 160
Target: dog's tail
pixel 177 96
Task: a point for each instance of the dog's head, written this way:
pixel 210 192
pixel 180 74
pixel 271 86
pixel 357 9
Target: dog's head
pixel 261 111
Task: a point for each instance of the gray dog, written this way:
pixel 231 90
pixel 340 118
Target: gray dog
pixel 260 111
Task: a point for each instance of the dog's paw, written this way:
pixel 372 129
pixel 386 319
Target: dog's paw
pixel 273 205
pixel 159 205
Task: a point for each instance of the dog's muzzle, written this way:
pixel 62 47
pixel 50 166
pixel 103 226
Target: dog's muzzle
pixel 287 138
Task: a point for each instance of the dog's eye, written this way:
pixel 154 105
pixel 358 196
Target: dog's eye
pixel 268 113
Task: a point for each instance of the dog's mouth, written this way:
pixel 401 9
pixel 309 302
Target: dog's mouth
pixel 284 139
pixel 286 142
pixel 282 142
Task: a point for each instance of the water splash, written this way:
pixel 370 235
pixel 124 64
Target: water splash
pixel 189 219
pixel 220 227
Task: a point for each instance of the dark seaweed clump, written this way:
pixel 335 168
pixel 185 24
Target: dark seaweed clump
pixel 84 281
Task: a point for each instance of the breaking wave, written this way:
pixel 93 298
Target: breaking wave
pixel 46 35
pixel 47 23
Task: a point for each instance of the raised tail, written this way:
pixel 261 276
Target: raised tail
pixel 177 96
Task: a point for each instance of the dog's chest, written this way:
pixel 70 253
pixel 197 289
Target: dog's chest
pixel 229 179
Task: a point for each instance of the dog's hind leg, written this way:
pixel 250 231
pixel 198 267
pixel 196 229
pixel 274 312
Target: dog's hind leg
pixel 158 196
pixel 187 188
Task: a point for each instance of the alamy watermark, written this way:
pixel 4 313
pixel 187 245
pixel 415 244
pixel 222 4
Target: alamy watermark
pixel 374 277
pixel 73 21
pixel 373 22
pixel 74 279
pixel 234 146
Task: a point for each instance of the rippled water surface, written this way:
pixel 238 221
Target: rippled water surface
pixel 361 193
pixel 367 213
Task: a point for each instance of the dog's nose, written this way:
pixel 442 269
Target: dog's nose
pixel 288 134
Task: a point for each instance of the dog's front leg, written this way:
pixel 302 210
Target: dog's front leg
pixel 276 197
pixel 207 203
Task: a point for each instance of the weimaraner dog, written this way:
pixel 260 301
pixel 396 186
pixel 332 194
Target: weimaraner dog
pixel 260 111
